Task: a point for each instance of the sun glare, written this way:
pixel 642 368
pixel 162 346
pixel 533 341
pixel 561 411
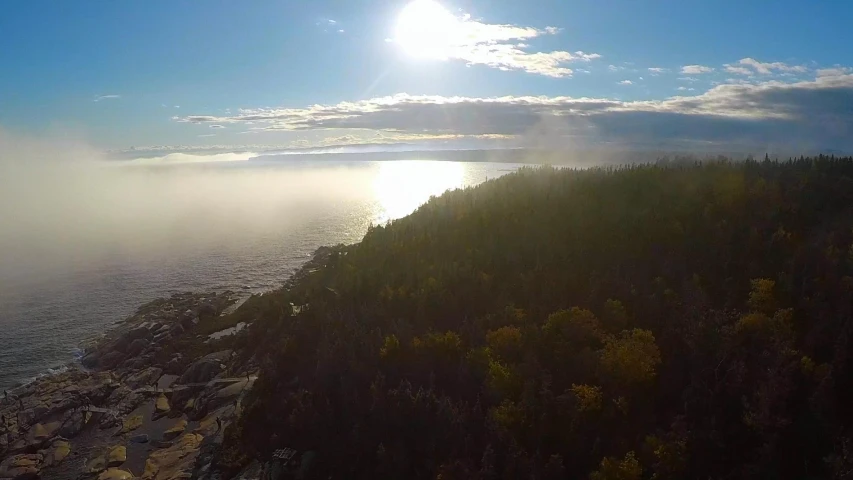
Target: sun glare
pixel 402 186
pixel 425 29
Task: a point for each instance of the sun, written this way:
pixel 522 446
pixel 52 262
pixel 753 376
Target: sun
pixel 425 29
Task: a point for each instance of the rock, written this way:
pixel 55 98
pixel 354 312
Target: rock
pixel 21 467
pixel 137 347
pixel 161 444
pixel 173 462
pixel 39 434
pixel 40 410
pixel 131 423
pixel 95 465
pixel 144 378
pixel 161 407
pixel 117 456
pixel 117 395
pixel 209 426
pixel 139 438
pixel 130 403
pixel 206 309
pixel 109 421
pixel 229 394
pixel 174 366
pixel 115 474
pixel 137 333
pixel 205 369
pixel 111 359
pixel 175 430
pixel 90 360
pixel 72 424
pixel 26 417
pixel 56 453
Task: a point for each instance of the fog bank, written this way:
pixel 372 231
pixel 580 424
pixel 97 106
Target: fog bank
pixel 63 205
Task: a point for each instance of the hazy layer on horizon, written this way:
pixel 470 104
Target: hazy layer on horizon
pixel 84 241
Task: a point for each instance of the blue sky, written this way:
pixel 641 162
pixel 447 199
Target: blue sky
pixel 180 74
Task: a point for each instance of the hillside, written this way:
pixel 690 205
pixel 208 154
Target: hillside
pixel 680 321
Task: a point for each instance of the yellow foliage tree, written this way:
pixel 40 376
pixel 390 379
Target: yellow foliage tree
pixel 631 358
pixel 612 468
pixel 505 342
pixel 761 297
pixel 588 397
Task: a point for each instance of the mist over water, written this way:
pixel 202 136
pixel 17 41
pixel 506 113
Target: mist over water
pixel 84 240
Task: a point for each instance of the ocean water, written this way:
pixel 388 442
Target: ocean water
pixel 83 248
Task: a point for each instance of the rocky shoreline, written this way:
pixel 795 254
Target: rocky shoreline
pixel 145 400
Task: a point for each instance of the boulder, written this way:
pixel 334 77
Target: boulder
pixel 130 403
pixel 115 474
pixel 175 461
pixel 117 456
pixel 206 368
pixel 209 426
pixel 229 394
pixel 26 417
pixel 118 395
pixel 142 438
pixel 39 434
pixel 175 430
pixel 56 453
pixel 144 378
pixel 72 424
pixel 109 421
pixel 131 423
pixel 206 309
pixel 95 465
pixel 161 407
pixel 111 359
pixel 137 346
pixel 21 467
pixel 91 359
pixel 40 411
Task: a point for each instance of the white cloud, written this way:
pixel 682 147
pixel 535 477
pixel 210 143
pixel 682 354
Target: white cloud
pixel 505 47
pixel 737 70
pixel 614 68
pixel 217 126
pixel 207 135
pixel 106 97
pixel 682 88
pixel 626 82
pixel 688 79
pixel 695 69
pixel 768 68
pixel 657 70
pixel 834 72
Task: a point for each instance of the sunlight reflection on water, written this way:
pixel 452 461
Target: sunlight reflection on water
pixel 402 186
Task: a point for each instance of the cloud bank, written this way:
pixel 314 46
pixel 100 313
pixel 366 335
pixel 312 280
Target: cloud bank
pixel 806 114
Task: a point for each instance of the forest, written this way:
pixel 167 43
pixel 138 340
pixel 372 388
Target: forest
pixel 682 319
